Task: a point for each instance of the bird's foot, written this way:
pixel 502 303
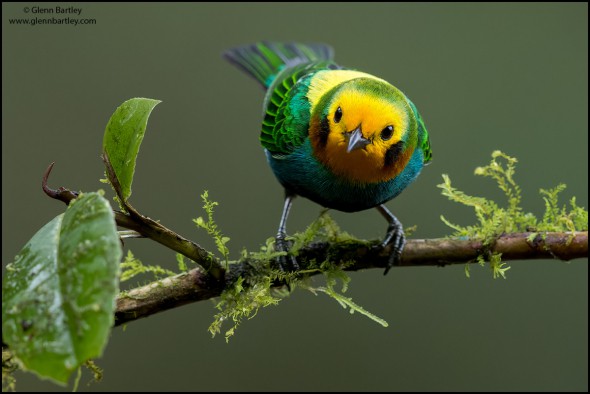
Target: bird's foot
pixel 286 262
pixel 396 238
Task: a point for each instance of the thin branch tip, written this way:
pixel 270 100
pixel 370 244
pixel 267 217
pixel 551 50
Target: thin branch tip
pixel 61 193
pixel 50 192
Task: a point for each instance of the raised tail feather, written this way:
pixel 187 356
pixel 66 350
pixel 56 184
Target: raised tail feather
pixel 264 60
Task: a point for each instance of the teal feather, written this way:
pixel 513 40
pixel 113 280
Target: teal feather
pixel 302 174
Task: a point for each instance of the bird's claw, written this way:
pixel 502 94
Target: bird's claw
pixel 286 262
pixel 396 238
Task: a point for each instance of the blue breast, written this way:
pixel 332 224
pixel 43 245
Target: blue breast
pixel 300 173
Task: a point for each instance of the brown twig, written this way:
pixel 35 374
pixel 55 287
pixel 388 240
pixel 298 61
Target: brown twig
pixel 201 284
pixel 193 286
pixel 60 193
pixel 145 226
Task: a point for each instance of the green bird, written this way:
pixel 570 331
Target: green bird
pixel 342 138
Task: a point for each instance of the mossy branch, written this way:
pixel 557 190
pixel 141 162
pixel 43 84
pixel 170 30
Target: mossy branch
pixel 193 285
pixel 501 234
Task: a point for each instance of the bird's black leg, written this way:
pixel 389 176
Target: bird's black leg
pixel 286 263
pixel 394 237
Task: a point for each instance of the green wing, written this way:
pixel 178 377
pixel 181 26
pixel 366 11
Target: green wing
pixel 284 70
pixel 423 138
pixel 287 109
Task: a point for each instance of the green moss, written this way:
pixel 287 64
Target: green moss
pixel 211 227
pixel 495 220
pixel 240 301
pixel 324 228
pixel 132 267
pixel 332 273
pixel 9 366
pixel 95 370
pixel 258 287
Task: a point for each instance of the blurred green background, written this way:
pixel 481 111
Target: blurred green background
pixel 512 77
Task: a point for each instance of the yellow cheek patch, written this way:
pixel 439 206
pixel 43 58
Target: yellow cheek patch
pixel 373 114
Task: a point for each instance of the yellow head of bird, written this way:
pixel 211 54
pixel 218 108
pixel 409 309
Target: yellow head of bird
pixel 362 130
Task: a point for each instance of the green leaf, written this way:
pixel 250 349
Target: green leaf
pixel 123 137
pixel 58 296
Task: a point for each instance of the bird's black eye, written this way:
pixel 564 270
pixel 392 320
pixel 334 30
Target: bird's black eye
pixel 386 133
pixel 338 115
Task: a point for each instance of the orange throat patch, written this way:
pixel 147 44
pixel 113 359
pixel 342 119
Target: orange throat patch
pixel 365 165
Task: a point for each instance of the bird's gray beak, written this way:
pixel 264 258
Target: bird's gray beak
pixel 356 140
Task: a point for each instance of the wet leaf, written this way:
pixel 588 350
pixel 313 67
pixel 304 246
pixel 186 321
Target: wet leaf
pixel 123 136
pixel 58 296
